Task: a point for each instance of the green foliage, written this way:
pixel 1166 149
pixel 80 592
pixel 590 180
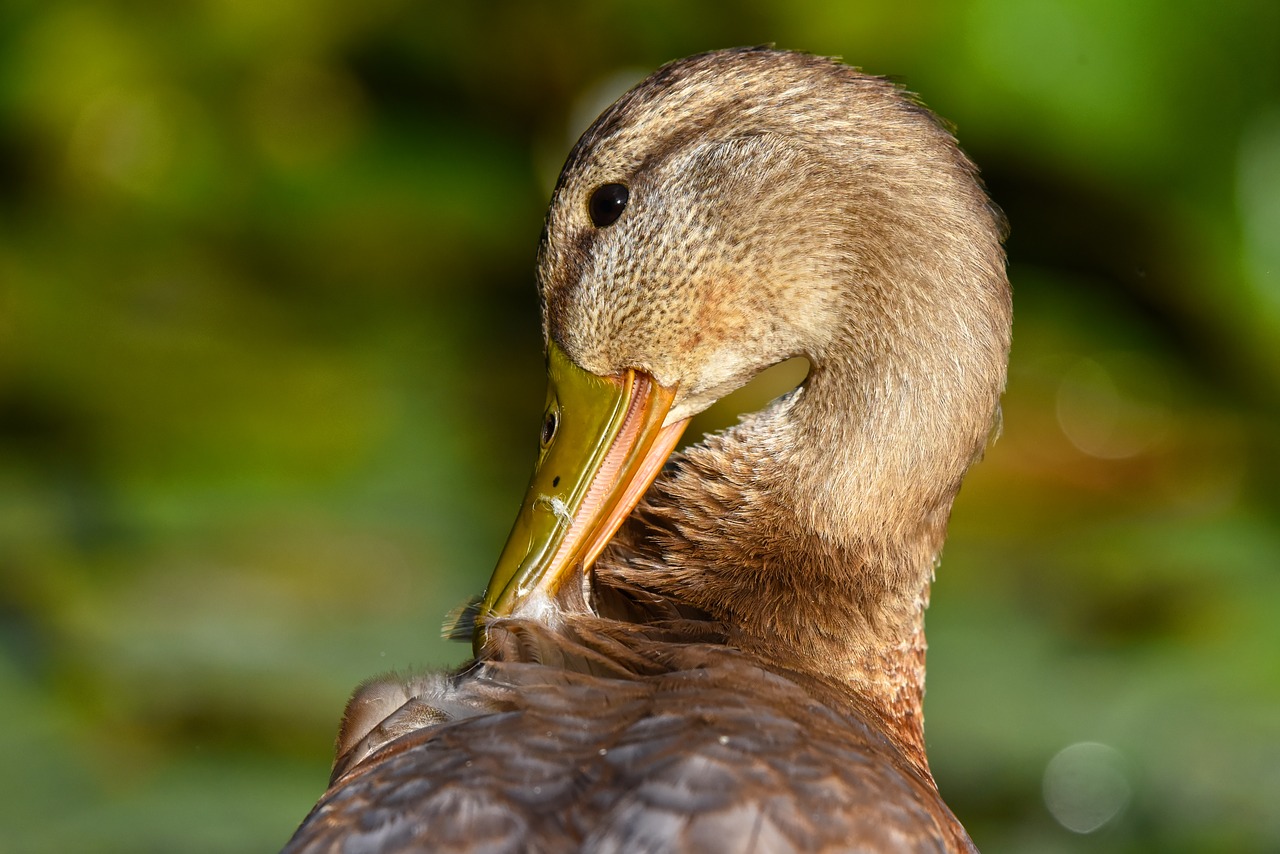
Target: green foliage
pixel 270 382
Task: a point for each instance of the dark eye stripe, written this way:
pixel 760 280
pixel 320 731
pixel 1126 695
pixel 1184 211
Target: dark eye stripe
pixel 607 203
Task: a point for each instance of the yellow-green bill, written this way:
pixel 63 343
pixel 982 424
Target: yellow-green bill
pixel 602 444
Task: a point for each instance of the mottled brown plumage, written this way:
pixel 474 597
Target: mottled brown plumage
pixel 745 670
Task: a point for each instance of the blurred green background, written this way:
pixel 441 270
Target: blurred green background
pixel 270 378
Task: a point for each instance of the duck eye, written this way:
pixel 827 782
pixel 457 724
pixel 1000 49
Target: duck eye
pixel 607 202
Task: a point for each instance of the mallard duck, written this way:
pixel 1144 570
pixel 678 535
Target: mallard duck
pixel 721 649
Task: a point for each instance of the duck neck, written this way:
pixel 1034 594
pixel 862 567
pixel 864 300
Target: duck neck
pixel 859 470
pixel 812 530
pixel 873 503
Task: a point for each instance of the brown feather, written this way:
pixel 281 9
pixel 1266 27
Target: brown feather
pixel 746 673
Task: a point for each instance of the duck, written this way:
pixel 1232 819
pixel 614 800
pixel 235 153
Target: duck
pixel 722 648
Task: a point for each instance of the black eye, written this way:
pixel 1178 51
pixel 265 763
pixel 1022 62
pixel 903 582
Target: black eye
pixel 606 203
pixel 549 425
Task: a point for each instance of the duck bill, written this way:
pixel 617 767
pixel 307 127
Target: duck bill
pixel 603 443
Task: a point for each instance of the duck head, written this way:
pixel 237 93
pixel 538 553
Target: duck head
pixel 734 210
